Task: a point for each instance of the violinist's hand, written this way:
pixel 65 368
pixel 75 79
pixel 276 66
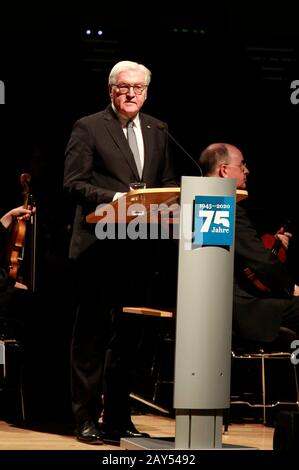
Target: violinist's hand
pixel 284 237
pixel 296 291
pixel 8 218
pixel 19 285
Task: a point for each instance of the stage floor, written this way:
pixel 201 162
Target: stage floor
pixel 53 437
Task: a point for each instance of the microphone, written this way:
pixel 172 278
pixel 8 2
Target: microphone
pixel 162 127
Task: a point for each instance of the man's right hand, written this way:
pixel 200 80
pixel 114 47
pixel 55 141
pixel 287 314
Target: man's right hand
pixel 117 196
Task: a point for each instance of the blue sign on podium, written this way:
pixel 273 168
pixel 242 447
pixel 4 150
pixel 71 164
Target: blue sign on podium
pixel 214 218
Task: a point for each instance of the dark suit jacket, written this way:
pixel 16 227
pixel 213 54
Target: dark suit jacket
pixel 256 315
pixel 5 281
pixel 99 163
pixel 11 298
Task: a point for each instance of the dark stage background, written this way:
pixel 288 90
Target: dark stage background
pixel 220 73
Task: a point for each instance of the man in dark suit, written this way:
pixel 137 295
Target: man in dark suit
pixel 260 307
pixel 99 168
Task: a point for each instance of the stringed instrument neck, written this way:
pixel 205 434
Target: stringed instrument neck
pixel 274 244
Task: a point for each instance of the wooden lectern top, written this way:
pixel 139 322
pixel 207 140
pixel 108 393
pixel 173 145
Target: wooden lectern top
pixel 138 203
pixel 142 203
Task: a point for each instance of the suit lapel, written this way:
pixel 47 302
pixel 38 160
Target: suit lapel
pixel 147 132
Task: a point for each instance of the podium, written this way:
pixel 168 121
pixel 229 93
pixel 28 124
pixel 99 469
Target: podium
pixel 204 299
pixel 143 205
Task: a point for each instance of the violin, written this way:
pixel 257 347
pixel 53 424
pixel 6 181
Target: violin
pixel 17 234
pixel 275 245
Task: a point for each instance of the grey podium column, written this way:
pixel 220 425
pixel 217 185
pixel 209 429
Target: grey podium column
pixel 203 330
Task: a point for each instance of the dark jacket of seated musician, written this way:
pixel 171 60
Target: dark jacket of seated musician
pixel 265 296
pixel 13 294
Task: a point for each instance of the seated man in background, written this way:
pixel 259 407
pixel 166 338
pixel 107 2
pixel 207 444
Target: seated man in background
pixel 258 313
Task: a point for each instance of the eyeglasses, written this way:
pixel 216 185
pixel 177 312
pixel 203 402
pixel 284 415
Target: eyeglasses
pixel 124 88
pixel 242 165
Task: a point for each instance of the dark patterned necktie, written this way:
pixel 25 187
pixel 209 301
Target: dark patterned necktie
pixel 133 145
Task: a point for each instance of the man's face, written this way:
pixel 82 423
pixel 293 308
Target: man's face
pixel 126 99
pixel 236 168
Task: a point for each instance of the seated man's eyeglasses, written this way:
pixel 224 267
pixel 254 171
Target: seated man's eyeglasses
pixel 124 88
pixel 241 165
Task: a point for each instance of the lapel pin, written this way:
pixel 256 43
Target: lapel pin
pixel 148 127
